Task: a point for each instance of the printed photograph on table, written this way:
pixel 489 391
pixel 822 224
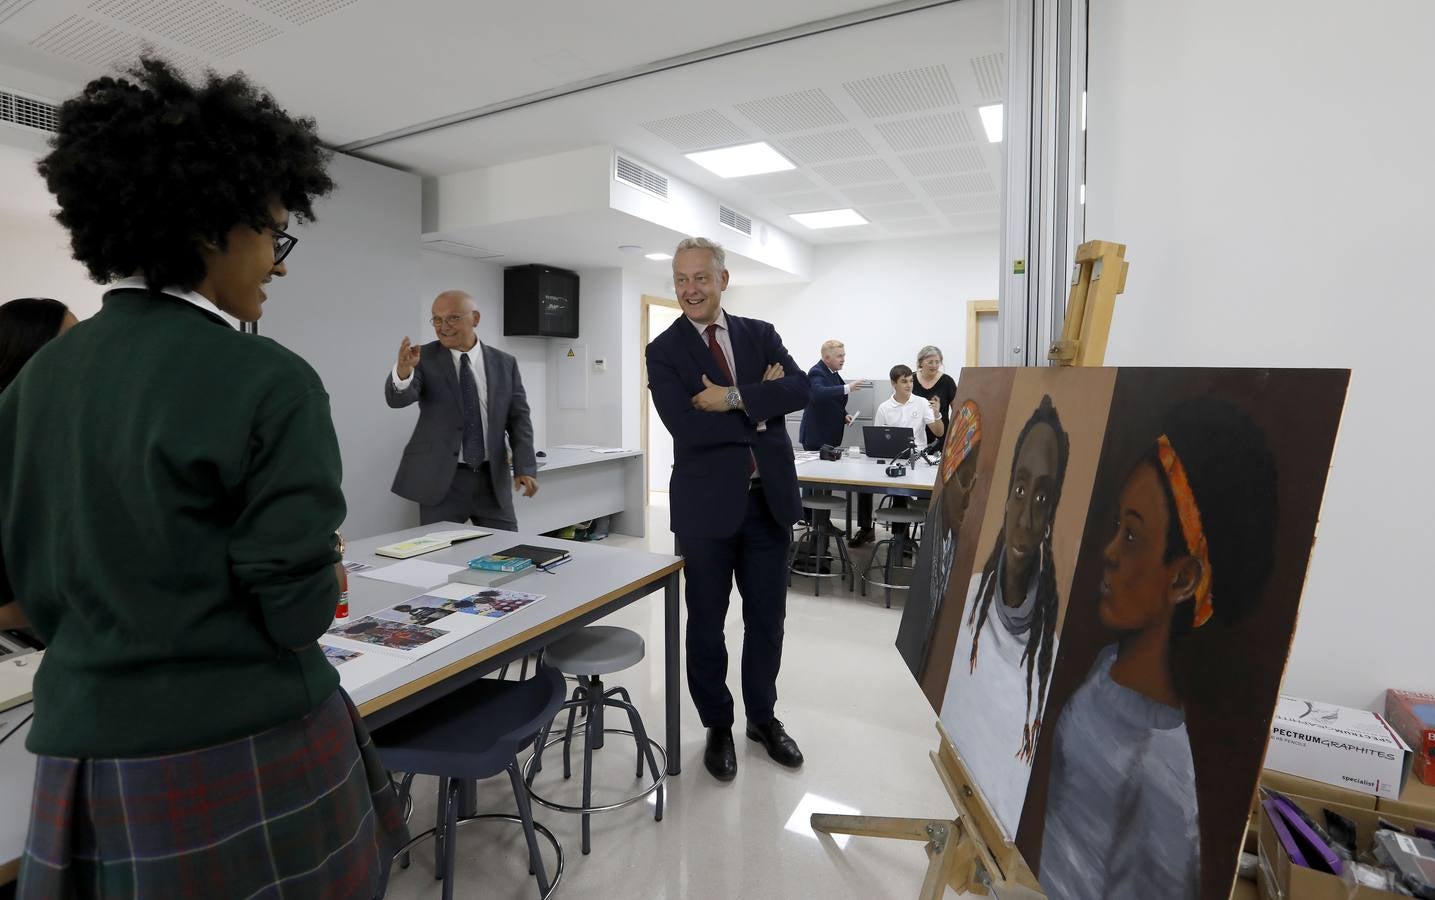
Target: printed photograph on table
pixel 388 634
pixel 1015 585
pixel 418 611
pixel 1177 626
pixel 491 602
pixel 337 656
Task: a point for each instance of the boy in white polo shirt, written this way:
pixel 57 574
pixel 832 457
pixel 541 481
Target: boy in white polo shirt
pixel 903 410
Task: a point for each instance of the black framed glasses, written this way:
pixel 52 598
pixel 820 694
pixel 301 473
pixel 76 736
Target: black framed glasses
pixel 450 321
pixel 283 244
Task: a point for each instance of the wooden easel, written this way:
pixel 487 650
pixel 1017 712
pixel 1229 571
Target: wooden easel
pixel 969 853
pixel 1099 275
pixel 966 853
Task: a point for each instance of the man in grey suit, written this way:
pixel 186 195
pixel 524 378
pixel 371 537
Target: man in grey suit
pixel 470 396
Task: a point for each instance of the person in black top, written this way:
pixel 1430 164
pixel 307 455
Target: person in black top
pixel 26 325
pixel 931 382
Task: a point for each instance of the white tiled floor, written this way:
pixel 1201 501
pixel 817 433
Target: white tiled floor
pixel 846 697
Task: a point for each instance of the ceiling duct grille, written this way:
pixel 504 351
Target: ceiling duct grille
pixel 27 112
pixel 640 176
pixel 735 220
pixel 458 248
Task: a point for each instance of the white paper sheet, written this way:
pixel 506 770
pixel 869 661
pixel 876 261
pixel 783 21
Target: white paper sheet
pixel 413 572
pixel 359 667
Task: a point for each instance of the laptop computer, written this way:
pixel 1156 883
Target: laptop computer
pixel 885 441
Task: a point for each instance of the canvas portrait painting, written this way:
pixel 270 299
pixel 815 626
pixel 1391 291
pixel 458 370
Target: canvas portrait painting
pixel 926 636
pixel 1014 592
pixel 1180 619
pixel 1119 629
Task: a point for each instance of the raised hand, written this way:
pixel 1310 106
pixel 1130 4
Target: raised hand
pixel 408 358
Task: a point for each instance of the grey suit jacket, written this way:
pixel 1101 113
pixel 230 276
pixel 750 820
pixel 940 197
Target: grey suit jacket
pixel 431 456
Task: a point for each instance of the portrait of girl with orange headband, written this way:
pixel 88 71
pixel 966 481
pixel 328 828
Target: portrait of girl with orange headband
pixel 1190 543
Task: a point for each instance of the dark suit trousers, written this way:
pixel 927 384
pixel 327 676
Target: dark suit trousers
pixel 757 557
pixel 469 497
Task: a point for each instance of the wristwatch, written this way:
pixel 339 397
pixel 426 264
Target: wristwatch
pixel 734 398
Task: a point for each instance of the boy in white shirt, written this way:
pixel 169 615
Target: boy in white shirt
pixel 903 410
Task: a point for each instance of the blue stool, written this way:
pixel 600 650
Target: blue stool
pixel 473 733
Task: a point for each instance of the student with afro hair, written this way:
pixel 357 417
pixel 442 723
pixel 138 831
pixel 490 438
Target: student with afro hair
pixel 169 494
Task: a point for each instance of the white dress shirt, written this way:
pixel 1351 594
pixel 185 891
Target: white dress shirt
pixel 480 377
pixel 203 302
pixel 846 388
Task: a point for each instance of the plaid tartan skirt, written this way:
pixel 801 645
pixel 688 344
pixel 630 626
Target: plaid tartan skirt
pixel 301 810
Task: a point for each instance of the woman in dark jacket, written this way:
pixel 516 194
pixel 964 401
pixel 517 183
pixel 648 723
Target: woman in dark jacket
pixel 26 325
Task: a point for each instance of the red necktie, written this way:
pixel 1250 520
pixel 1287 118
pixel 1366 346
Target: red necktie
pixel 721 358
pixel 718 355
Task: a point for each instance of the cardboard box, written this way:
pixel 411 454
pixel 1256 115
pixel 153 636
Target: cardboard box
pixel 1412 715
pixel 1351 748
pixel 1417 801
pixel 1280 879
pixel 1296 786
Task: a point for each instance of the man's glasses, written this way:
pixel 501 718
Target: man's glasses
pixel 283 243
pixel 450 321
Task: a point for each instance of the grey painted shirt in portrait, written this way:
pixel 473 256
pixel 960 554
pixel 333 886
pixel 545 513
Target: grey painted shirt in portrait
pixel 1121 819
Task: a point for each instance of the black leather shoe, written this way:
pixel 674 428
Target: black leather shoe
pixel 865 536
pixel 720 757
pixel 780 746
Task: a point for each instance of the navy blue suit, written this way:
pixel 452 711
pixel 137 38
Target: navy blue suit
pixel 729 526
pixel 826 415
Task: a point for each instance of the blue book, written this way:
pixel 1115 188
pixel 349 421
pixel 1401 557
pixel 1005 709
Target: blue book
pixel 495 562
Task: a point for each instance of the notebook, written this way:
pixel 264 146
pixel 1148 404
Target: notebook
pixel 436 540
pixel 541 556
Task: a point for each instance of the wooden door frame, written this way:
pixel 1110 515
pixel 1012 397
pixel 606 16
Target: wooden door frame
pixel 976 308
pixel 643 338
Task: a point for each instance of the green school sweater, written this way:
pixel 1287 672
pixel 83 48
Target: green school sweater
pixel 169 492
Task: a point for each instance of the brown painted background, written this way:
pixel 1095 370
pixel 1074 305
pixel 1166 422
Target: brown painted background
pixel 990 388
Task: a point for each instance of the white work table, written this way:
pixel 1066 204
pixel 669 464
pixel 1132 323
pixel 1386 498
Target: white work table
pixel 578 485
pixel 863 475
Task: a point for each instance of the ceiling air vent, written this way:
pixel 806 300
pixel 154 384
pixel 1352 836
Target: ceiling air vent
pixel 640 176
pixel 27 112
pixel 735 220
pixel 458 248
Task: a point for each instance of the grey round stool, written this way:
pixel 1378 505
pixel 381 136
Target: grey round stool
pixel 900 519
pixel 590 653
pixel 822 506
